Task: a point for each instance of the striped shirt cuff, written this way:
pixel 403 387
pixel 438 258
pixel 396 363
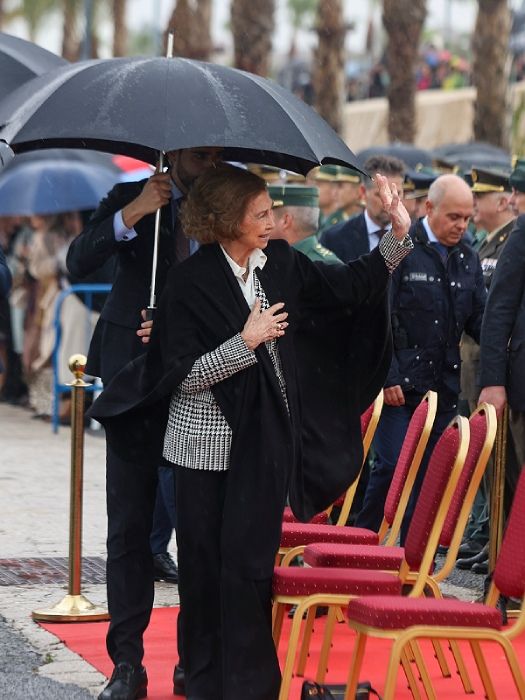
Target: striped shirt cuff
pixel 394 250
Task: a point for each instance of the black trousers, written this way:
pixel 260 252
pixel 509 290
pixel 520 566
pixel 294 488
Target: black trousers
pixel 130 492
pixel 227 638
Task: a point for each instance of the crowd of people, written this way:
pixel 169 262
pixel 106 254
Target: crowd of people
pixel 263 278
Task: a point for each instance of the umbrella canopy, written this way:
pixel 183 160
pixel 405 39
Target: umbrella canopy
pixel 6 155
pixel 53 186
pixel 475 154
pixel 82 155
pixel 409 154
pixel 21 60
pixel 140 106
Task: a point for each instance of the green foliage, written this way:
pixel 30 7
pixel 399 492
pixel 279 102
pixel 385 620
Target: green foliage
pixel 517 130
pixel 301 11
pixel 143 42
pixel 34 11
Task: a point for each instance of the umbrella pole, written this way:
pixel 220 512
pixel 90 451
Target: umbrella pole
pixel 152 297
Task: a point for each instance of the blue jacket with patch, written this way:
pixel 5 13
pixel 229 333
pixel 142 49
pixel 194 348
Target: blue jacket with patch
pixel 432 302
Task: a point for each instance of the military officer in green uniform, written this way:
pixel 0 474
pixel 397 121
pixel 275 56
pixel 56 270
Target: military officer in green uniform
pixel 492 213
pixel 325 178
pixel 296 212
pixel 351 191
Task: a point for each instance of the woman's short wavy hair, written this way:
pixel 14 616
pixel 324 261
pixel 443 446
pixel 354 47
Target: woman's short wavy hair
pixel 217 201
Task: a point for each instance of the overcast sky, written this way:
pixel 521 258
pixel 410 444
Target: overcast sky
pixel 459 14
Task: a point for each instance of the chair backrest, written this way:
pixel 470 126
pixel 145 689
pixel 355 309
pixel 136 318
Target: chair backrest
pixel 439 484
pixel 483 425
pixel 509 573
pixel 407 466
pixel 369 421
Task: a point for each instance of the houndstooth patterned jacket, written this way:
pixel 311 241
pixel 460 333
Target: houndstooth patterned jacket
pixel 197 435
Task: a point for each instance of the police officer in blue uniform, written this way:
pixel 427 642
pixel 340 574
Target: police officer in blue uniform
pixel 437 293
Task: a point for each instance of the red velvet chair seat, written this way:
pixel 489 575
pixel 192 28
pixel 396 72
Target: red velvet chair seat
pixel 293 581
pixel 295 534
pixel 353 556
pixel 318 519
pixel 384 612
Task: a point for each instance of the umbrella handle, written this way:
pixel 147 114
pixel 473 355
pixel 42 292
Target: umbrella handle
pixel 152 299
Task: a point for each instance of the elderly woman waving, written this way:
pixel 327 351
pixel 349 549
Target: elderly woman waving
pixel 265 360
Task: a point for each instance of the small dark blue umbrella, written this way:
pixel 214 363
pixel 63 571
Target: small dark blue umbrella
pixel 466 156
pixel 411 155
pixel 51 187
pixel 21 60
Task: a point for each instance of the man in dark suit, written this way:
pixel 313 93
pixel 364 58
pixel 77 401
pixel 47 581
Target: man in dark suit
pixel 502 356
pixel 361 234
pixel 123 226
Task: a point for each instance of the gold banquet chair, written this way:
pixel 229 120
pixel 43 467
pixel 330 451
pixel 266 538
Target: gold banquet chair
pixel 408 620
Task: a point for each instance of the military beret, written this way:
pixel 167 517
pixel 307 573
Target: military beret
pixel 489 180
pixel 417 183
pixel 294 196
pixel 517 177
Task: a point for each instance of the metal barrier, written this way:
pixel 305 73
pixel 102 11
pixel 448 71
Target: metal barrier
pixel 87 291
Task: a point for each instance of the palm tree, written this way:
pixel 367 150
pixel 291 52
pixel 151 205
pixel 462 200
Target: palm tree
pixel 33 11
pixel 490 72
pixel 403 21
pixel 328 71
pixel 301 11
pixel 191 24
pixel 70 38
pixel 253 23
pixel 120 31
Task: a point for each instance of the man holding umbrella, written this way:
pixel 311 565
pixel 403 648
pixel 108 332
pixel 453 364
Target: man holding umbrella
pixel 123 226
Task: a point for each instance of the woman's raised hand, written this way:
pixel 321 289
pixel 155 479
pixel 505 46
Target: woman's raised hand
pixel 394 206
pixel 262 326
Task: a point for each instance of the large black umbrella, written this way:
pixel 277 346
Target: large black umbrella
pixel 21 60
pixel 140 106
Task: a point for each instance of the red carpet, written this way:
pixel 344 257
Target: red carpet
pixel 87 640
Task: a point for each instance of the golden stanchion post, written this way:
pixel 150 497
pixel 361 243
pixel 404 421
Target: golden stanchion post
pixel 75 607
pixel 497 489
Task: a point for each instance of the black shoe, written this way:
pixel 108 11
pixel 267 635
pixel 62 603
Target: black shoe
pixel 126 683
pixel 481 556
pixel 481 567
pixel 179 686
pixel 164 568
pixel 320 611
pixel 469 549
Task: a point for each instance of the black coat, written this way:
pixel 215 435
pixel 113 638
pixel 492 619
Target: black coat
pixel 114 340
pixel 334 355
pixel 503 331
pixel 5 276
pixel 348 239
pixel 432 304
